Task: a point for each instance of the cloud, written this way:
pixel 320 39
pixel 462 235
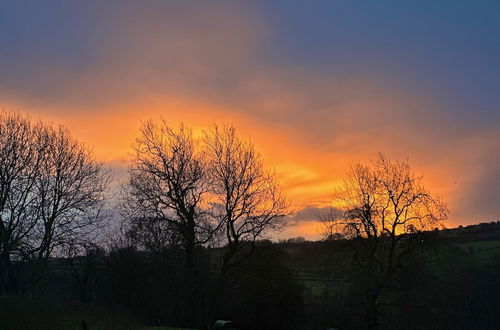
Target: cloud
pixel 309 213
pixel 125 50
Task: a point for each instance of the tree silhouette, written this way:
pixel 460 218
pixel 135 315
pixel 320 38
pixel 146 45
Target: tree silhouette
pixel 164 197
pixel 381 204
pixel 51 192
pixel 248 200
pixel 20 161
pixel 71 190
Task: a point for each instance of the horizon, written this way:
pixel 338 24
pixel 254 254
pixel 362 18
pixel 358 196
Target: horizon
pixel 315 87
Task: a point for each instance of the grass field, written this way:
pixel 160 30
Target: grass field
pixel 482 245
pixel 478 253
pixel 22 313
pixel 482 251
pixel 18 313
pixel 165 328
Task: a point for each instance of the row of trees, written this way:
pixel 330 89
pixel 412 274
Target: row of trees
pixel 187 192
pixel 190 192
pixel 182 192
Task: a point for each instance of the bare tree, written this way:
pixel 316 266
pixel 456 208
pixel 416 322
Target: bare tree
pixel 20 161
pixel 71 191
pixel 382 205
pixel 247 199
pixel 51 191
pixel 164 196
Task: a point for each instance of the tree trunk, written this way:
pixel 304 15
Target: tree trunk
pixel 371 316
pixel 8 275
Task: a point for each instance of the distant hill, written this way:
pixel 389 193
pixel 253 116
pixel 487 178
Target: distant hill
pixel 480 231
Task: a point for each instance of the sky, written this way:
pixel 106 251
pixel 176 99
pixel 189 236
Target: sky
pixel 316 85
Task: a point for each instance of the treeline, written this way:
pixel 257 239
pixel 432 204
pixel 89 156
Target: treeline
pixel 187 247
pixel 183 195
pixel 187 192
pixel 288 285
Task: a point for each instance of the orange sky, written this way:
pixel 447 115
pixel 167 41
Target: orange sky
pixel 307 168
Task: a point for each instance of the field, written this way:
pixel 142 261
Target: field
pixel 164 328
pixel 479 252
pixel 22 314
pixel 320 275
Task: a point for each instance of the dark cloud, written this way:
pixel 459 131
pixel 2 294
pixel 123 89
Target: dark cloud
pixel 309 213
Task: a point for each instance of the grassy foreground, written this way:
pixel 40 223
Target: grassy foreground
pixel 164 328
pixel 23 314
